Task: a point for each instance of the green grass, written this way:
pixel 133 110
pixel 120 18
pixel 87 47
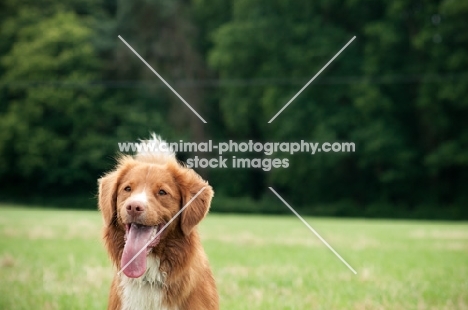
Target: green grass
pixel 51 259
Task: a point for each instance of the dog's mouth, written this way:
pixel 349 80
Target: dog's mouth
pixel 138 237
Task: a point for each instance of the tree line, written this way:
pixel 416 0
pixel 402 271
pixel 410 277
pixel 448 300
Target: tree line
pixel 70 90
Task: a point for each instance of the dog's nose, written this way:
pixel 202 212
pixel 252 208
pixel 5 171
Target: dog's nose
pixel 135 208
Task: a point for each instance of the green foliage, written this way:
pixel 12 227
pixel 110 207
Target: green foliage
pixel 59 126
pixel 404 103
pixel 69 90
pixel 42 124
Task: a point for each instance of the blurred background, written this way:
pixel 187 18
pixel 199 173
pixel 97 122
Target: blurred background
pixel 70 90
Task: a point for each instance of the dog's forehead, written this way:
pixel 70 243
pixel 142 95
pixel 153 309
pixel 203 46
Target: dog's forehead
pixel 150 173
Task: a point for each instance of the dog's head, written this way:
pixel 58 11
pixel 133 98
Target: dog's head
pixel 139 198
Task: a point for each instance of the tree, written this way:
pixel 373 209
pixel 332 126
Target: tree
pixel 397 92
pixel 51 130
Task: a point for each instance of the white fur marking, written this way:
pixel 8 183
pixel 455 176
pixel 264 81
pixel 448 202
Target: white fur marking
pixel 155 146
pixel 141 197
pixel 145 292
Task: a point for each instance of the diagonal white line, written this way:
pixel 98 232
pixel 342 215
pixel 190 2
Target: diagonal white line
pixel 313 230
pixel 162 229
pixel 305 86
pixel 163 80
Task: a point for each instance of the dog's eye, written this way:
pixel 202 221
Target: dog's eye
pixel 127 189
pixel 162 192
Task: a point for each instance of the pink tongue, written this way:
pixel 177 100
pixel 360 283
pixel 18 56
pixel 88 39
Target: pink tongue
pixel 137 238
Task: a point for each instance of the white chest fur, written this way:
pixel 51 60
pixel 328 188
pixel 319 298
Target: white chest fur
pixel 145 292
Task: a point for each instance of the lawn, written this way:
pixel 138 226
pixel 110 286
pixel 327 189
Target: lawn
pixel 53 259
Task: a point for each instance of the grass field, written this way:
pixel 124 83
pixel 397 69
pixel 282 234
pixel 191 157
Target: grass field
pixel 52 259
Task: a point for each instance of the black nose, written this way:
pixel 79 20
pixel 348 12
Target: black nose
pixel 135 208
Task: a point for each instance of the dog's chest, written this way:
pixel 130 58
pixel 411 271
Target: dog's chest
pixel 145 292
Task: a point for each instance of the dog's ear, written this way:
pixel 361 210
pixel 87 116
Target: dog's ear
pixel 107 197
pixel 190 184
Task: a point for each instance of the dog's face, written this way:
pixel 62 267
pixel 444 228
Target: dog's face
pixel 138 199
pixel 147 195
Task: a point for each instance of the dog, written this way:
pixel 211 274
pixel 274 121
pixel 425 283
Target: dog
pixel 137 199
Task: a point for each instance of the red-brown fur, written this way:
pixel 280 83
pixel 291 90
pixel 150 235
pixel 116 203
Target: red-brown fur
pixel 189 283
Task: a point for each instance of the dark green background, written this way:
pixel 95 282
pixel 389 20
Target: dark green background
pixel 70 90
